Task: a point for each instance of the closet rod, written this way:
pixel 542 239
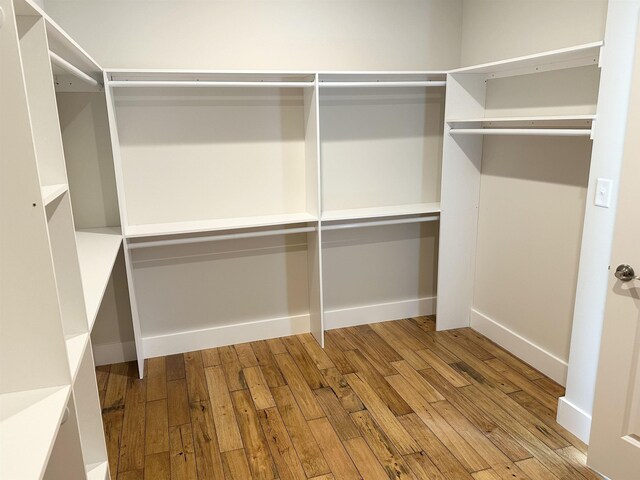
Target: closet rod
pixel 552 132
pixel 73 70
pixel 427 83
pixel 212 238
pixel 381 223
pixel 205 83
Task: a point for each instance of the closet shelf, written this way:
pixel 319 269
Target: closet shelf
pixel 97 471
pixel 29 422
pixel 576 56
pixel 97 252
pixel 534 119
pixel 550 132
pixel 178 228
pixel 51 192
pixel 76 345
pixel 380 212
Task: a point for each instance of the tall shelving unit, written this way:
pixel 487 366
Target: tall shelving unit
pixel 53 277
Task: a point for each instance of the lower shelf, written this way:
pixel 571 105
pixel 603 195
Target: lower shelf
pixel 29 422
pixel 97 471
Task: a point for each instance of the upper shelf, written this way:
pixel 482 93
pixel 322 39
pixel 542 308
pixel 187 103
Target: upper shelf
pixel 178 78
pixel 199 226
pixel 577 56
pixel 97 252
pixel 388 79
pixel 380 212
pixel 554 120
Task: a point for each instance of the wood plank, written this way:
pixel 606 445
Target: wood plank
pixel 382 447
pixel 232 368
pixel 131 475
pixel 156 378
pixel 267 363
pixel 132 445
pixel 426 322
pixel 383 416
pixel 175 367
pixel 365 461
pixel 178 402
pixel 341 339
pixel 276 346
pixel 280 445
pixel 196 380
pixel 535 469
pixel 337 457
pixel 510 472
pixel 116 387
pixel 235 465
pixel 438 453
pixel 246 357
pixel 376 350
pixel 336 381
pixel 578 461
pixel 489 474
pixel 299 387
pixel 208 460
pixel 112 423
pixel 157 427
pixel 472 347
pixel 102 376
pixel 211 357
pixel 443 368
pixel 552 388
pixel 372 376
pixel 429 340
pixel 337 415
pixel 157 466
pixel 182 453
pixel 306 366
pixel 337 356
pixel 315 352
pixel 390 335
pixel 255 444
pixel 223 415
pixel 258 387
pixel 417 381
pixel 422 466
pixel 311 458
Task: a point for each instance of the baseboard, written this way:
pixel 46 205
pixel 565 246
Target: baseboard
pixel 109 353
pixel 536 356
pixel 574 419
pixel 349 317
pixel 224 335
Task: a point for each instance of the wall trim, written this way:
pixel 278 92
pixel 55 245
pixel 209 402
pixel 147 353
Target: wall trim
pixel 108 353
pixel 189 341
pixel 349 317
pixel 536 356
pixel 574 419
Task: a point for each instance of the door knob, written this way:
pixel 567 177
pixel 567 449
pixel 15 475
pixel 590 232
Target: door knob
pixel 625 273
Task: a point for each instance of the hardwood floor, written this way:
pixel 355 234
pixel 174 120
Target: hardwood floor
pixel 390 400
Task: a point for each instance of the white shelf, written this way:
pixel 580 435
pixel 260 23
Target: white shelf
pixel 29 422
pixel 535 119
pixel 97 251
pixel 177 228
pixel 579 55
pixel 380 212
pixel 97 471
pixel 76 346
pixel 51 192
pixel 549 132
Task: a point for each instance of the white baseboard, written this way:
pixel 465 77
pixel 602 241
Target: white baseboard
pixel 224 335
pixel 536 356
pixel 574 419
pixel 109 353
pixel 349 317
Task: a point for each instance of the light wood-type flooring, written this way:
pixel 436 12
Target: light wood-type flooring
pixel 390 400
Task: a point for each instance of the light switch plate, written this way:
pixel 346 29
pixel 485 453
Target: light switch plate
pixel 603 192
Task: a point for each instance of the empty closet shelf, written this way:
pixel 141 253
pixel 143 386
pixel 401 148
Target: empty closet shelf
pixel 51 192
pixel 549 132
pixel 97 252
pixel 380 212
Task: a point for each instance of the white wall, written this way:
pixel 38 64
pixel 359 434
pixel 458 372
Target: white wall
pixel 498 29
pixel 276 34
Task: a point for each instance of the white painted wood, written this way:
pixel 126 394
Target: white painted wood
pixel 60 62
pixel 98 471
pixel 177 228
pixel 29 422
pixel 535 355
pixel 574 419
pixel 217 336
pixel 535 119
pixel 380 212
pixel 614 448
pixel 205 84
pixel 379 223
pixel 85 391
pixel 348 317
pixel 462 158
pixel 548 132
pixel 51 192
pixel 428 83
pixel 97 252
pixel 76 346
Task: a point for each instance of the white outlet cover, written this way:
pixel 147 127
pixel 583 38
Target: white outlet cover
pixel 603 192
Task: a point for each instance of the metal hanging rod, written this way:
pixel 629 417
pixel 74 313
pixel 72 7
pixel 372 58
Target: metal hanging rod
pixel 381 223
pixel 212 238
pixel 73 70
pixel 552 132
pixel 205 83
pixel 425 83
